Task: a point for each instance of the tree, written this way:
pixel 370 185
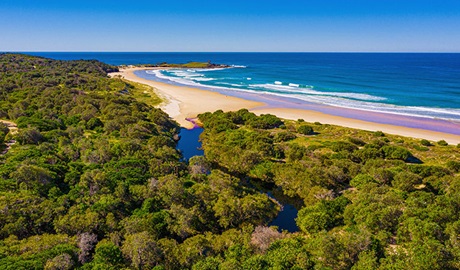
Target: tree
pixel 60 262
pixel 29 136
pixel 265 121
pixel 108 253
pixel 86 244
pixel 324 215
pixel 142 250
pixel 262 237
pixel 305 130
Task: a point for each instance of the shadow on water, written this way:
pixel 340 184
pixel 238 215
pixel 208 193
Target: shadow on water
pixel 289 206
pixel 190 145
pixel 285 220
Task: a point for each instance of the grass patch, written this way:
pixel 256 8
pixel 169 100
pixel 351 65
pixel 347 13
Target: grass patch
pixel 141 92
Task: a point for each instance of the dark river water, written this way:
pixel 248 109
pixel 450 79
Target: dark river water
pixel 190 145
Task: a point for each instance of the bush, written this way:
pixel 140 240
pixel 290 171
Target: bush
pixel 379 134
pixel 406 181
pixel 29 136
pixel 241 117
pixel 305 130
pixel 295 152
pixel 396 152
pixel 343 146
pixel 420 148
pixel 94 123
pixel 442 143
pixel 356 141
pixel 425 143
pixel 39 123
pixel 265 121
pixel 361 180
pixel 4 128
pixel 284 136
pixel 2 137
pixel 453 165
pixel 323 215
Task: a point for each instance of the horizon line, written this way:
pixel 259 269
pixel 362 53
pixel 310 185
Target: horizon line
pixel 46 51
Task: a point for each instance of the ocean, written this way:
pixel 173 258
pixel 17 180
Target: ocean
pixel 415 85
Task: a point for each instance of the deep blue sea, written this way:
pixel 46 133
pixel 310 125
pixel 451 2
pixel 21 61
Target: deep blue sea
pixel 411 84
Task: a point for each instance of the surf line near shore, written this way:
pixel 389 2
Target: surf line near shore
pixel 183 102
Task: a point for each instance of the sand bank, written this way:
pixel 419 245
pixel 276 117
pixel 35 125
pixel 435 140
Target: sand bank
pixel 187 102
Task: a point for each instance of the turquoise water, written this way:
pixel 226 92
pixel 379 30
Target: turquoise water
pixel 402 84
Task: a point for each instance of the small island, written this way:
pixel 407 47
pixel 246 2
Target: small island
pixel 175 65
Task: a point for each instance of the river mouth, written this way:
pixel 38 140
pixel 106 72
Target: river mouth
pixel 189 145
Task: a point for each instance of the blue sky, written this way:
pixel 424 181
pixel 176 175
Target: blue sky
pixel 237 25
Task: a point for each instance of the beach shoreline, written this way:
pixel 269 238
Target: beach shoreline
pixel 183 102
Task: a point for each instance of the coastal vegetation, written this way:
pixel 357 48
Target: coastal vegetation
pixel 185 65
pixel 94 181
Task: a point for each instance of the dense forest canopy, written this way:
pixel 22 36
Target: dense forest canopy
pixel 92 180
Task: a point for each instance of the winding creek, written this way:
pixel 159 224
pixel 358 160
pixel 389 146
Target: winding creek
pixel 190 145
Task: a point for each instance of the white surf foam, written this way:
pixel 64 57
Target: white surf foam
pixel 309 91
pixel 357 101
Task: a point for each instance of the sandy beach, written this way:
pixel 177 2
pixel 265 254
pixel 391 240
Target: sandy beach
pixel 186 102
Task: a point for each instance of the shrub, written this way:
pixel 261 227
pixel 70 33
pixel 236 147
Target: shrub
pixel 29 136
pixel 305 130
pixel 396 152
pixel 2 137
pixel 39 123
pixel 284 136
pixel 420 148
pixel 295 152
pixel 442 143
pixel 356 141
pixel 241 117
pixel 425 142
pixel 323 215
pixel 406 181
pixel 4 128
pixel 94 123
pixel 343 146
pixel 265 121
pixel 379 134
pixel 453 165
pixel 278 151
pixel 361 180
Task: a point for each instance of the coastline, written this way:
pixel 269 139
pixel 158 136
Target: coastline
pixel 183 102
